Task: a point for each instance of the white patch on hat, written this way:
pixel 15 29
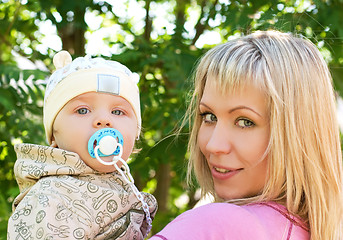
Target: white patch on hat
pixel 108 84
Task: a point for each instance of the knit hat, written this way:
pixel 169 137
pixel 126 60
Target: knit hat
pixel 83 75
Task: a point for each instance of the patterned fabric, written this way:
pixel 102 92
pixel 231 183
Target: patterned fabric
pixel 62 198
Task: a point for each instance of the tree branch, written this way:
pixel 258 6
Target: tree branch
pixel 14 18
pixel 200 27
pixel 148 21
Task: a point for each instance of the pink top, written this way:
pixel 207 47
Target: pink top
pixel 228 221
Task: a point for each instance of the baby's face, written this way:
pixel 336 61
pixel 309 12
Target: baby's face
pixel 85 114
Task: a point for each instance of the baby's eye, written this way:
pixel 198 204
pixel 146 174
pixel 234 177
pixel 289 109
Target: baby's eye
pixel 117 112
pixel 244 123
pixel 82 111
pixel 208 117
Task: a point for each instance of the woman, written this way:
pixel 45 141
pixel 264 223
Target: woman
pixel 265 143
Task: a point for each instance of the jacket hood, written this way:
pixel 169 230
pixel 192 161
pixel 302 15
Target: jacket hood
pixel 35 162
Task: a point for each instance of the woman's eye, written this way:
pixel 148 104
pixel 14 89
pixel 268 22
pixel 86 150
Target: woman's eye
pixel 82 111
pixel 208 117
pixel 244 123
pixel 117 112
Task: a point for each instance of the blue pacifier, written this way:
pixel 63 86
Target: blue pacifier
pixel 105 142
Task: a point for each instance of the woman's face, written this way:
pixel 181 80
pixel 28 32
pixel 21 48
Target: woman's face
pixel 233 137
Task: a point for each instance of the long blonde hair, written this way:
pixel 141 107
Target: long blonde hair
pixel 304 152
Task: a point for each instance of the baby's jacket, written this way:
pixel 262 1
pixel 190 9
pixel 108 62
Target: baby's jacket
pixel 62 198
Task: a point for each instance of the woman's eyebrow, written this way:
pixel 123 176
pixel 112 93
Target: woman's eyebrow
pixel 243 107
pixel 203 104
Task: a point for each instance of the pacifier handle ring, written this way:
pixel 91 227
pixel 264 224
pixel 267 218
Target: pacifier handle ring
pixel 108 163
pixel 114 163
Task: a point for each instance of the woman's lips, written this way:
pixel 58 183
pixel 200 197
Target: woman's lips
pixel 224 173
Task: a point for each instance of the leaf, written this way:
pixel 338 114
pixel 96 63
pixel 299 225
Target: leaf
pixel 6 99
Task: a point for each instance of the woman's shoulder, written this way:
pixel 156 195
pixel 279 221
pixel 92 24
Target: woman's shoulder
pixel 229 221
pixel 277 220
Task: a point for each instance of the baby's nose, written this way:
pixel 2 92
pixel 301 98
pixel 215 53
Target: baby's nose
pixel 103 122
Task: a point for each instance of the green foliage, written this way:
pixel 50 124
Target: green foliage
pixel 21 97
pixel 164 62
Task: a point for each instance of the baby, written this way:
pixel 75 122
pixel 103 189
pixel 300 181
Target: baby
pixel 80 186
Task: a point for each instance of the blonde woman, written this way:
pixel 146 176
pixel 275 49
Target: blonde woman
pixel 265 143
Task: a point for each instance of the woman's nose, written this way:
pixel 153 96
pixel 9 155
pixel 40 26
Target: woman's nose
pixel 219 141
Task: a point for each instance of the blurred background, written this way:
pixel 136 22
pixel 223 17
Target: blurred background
pixel 161 41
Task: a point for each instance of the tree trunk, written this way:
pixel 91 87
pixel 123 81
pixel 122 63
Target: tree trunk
pixel 163 185
pixel 73 34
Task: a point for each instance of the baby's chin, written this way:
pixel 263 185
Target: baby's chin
pixel 103 168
